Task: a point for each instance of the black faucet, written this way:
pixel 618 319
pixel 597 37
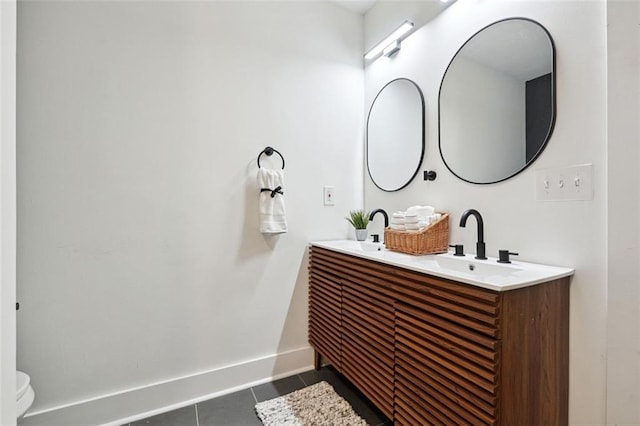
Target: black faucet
pixel 480 246
pixel 386 216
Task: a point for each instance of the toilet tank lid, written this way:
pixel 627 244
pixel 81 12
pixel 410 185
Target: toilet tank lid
pixel 22 383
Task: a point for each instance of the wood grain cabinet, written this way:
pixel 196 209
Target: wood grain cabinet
pixel 426 350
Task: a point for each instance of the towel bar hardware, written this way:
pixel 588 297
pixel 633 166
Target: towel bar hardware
pixel 269 152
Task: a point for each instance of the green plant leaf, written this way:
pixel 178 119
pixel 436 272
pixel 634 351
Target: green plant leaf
pixel 359 219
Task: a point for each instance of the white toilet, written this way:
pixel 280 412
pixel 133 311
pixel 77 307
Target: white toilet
pixel 24 393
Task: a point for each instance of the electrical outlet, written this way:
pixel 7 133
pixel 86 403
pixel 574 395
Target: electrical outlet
pixel 565 183
pixel 329 196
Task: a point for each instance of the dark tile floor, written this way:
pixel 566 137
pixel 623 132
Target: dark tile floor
pixel 237 409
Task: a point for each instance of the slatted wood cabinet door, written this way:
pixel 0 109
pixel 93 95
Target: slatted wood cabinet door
pixel 367 332
pixel 427 350
pixel 325 313
pixel 368 342
pixel 447 355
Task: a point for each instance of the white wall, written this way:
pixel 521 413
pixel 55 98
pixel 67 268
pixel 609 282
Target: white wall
pixel 139 124
pixel 559 233
pixel 7 212
pixel 623 297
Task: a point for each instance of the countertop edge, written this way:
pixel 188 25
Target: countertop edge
pixel 562 272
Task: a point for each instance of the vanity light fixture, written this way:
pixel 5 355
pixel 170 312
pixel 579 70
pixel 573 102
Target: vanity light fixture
pixel 390 44
pixel 391 49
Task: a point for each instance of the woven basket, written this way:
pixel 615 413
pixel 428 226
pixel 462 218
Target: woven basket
pixel 433 239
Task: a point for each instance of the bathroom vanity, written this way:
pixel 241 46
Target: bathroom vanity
pixel 440 339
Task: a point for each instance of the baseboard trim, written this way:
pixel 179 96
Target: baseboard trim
pixel 142 402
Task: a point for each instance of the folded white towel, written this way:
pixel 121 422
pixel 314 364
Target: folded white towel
pixel 272 213
pixel 397 218
pixel 423 212
pixel 411 218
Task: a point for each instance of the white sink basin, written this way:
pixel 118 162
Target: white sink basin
pixel 369 246
pixel 351 246
pixel 468 265
pixel 482 273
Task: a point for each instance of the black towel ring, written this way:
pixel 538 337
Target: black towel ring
pixel 269 152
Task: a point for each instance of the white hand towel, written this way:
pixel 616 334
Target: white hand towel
pixel 272 214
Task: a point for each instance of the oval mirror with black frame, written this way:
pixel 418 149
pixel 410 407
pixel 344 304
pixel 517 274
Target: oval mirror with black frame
pixel 497 102
pixel 395 135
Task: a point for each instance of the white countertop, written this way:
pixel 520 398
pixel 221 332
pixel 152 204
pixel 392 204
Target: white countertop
pixel 487 274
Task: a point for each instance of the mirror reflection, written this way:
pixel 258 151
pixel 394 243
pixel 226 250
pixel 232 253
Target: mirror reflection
pixel 395 135
pixel 497 101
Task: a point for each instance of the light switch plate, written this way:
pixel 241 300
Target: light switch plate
pixel 329 195
pixel 571 183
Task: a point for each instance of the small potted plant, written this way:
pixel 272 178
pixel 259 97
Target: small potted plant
pixel 359 219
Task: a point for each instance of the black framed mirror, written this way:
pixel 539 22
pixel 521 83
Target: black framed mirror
pixel 497 102
pixel 395 135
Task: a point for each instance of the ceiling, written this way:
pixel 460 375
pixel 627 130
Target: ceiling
pixel 358 6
